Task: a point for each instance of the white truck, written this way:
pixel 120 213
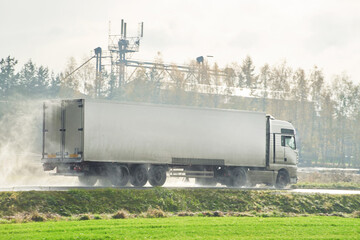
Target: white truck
pixel 136 142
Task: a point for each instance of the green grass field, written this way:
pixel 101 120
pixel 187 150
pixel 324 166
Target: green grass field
pixel 189 228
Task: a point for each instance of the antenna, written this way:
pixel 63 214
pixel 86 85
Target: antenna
pixel 142 29
pixel 124 30
pixel 122 27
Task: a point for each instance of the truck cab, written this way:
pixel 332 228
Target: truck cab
pixel 283 154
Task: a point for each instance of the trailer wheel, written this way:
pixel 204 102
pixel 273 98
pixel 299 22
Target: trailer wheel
pixel 119 176
pixel 282 179
pixel 87 180
pixel 237 177
pixel 157 175
pixel 139 176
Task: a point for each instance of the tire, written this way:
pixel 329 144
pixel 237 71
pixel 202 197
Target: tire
pixel 87 180
pixel 139 176
pixel 237 177
pixel 157 176
pixel 282 179
pixel 119 176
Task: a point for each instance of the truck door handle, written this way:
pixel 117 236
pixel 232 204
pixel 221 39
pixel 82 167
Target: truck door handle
pixel 285 159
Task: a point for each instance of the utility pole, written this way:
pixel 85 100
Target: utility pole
pixel 98 53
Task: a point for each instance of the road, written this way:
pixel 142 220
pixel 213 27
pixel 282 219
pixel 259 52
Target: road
pixel 67 188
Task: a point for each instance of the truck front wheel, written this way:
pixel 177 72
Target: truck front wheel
pixel 157 175
pixel 282 179
pixel 139 175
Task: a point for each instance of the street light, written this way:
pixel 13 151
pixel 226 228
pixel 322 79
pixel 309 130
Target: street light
pixel 201 59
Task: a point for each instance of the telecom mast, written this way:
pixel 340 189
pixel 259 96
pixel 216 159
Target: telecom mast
pixel 121 48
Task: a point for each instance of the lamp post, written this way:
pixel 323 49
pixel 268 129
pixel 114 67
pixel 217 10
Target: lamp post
pixel 200 61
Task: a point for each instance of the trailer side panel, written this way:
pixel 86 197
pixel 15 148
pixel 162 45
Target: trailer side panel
pixel 141 133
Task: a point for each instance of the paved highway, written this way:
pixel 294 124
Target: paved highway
pixel 67 188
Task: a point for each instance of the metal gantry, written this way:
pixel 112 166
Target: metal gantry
pixel 121 48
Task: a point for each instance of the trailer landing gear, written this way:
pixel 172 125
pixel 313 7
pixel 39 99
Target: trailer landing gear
pixel 237 177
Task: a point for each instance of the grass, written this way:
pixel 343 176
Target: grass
pixel 189 228
pixel 101 201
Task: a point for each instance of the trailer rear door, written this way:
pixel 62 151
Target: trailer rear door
pixel 73 129
pixel 52 136
pixel 63 130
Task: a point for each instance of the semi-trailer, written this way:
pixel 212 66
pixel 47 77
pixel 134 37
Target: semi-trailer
pixel 140 143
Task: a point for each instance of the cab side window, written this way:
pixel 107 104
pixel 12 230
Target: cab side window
pixel 288 141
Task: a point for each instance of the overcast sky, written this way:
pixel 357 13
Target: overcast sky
pixel 304 33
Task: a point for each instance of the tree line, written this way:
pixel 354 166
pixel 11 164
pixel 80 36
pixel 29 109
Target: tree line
pixel 324 112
